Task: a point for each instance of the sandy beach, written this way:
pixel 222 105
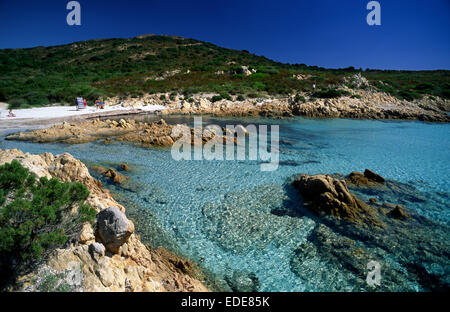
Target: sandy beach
pixel 55 114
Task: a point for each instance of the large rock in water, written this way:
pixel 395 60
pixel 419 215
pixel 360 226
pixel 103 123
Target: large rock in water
pixel 326 195
pixel 114 228
pixel 368 178
pixel 369 174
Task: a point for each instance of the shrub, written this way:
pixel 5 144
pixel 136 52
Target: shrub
pixel 216 98
pixel 162 97
pixel 298 98
pixel 408 95
pixel 445 94
pixel 240 97
pixel 425 86
pixel 17 103
pixel 259 86
pixel 226 96
pixel 330 93
pixel 222 96
pixel 259 75
pixel 37 217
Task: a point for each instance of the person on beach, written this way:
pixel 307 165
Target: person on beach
pixel 97 103
pixel 11 114
pixel 85 104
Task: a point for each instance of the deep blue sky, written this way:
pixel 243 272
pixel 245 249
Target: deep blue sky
pixel 331 33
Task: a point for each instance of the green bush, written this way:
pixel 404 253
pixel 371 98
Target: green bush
pixel 258 75
pixel 37 216
pixel 259 86
pixel 425 87
pixel 222 96
pixel 240 97
pixel 408 95
pixel 330 93
pixel 298 98
pixel 17 103
pixel 216 98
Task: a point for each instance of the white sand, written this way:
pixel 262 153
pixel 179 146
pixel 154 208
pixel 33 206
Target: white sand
pixel 67 111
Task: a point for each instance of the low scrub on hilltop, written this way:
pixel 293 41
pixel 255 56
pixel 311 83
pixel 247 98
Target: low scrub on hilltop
pixel 153 64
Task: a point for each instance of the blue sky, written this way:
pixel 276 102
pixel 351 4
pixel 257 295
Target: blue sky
pixel 414 34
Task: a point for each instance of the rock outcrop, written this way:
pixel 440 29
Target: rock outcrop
pixel 326 195
pixel 148 134
pixel 126 264
pixel 155 134
pixel 114 228
pixel 114 175
pixel 412 250
pixel 368 178
pixel 362 103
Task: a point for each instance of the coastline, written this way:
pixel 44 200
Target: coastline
pixel 322 250
pixel 40 116
pixel 132 267
pixel 362 104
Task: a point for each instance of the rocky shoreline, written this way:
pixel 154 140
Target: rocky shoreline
pixel 359 104
pixel 107 256
pixel 411 249
pixel 155 134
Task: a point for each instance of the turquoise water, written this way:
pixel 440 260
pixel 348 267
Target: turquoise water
pixel 221 213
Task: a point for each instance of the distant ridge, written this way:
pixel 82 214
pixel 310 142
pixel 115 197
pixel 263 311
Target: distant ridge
pixel 153 63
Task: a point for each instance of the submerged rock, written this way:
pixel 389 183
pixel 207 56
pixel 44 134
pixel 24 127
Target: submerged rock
pixel 407 246
pixel 399 213
pixel 125 167
pixel 242 281
pixel 347 260
pixel 115 176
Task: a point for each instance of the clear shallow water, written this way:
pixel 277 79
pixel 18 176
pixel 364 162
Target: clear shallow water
pixel 221 213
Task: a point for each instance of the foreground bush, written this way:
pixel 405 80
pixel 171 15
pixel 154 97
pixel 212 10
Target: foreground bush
pixel 36 216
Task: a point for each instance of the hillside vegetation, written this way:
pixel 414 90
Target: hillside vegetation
pixel 153 64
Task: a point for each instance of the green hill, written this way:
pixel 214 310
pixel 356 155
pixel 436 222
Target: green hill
pixel 151 64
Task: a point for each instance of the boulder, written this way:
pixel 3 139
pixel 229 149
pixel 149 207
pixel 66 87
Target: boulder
pixel 398 213
pixel 114 228
pixel 243 70
pixel 116 177
pixel 369 174
pixel 329 196
pixel 96 250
